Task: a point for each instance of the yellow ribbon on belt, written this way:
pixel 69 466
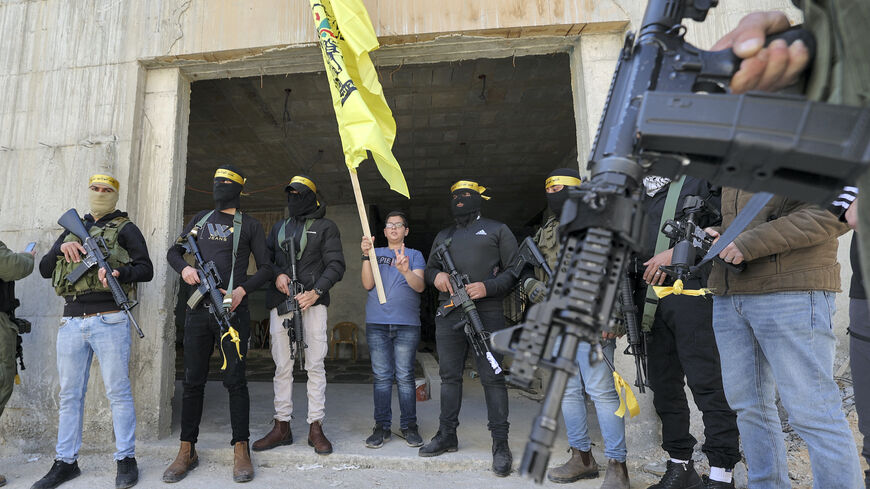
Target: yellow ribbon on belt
pixel 677 289
pixel 628 400
pixel 234 337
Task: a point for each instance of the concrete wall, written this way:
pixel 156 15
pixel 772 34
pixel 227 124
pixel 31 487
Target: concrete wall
pixel 102 85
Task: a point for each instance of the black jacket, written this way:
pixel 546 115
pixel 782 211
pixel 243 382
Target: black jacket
pixel 322 262
pixel 140 268
pixel 483 250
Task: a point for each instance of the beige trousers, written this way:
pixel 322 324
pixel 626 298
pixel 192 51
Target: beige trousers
pixel 314 324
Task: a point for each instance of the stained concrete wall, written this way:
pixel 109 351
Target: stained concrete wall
pixel 103 85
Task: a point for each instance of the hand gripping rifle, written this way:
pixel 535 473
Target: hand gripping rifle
pixel 96 255
pixel 209 290
pixel 653 121
pixel 470 317
pixel 293 324
pixel 690 239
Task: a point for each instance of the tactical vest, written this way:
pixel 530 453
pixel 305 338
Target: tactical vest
pixel 90 282
pixel 547 239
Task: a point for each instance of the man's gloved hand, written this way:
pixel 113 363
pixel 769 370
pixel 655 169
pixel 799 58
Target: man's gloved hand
pixel 536 291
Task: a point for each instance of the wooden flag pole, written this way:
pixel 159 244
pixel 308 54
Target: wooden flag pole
pixel 364 221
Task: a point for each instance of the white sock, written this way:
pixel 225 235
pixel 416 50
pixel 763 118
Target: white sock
pixel 677 461
pixel 720 474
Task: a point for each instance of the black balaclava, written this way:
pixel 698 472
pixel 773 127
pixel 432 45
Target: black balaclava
pixel 470 205
pixel 305 201
pixel 556 200
pixel 227 195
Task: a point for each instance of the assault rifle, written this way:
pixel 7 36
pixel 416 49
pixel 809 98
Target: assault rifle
pixel 209 283
pixel 469 316
pixel 634 334
pixel 293 324
pixel 689 239
pixel 96 255
pixel 529 254
pixel 654 122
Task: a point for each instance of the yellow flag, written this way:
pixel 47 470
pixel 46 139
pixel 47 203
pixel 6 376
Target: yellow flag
pixel 625 401
pixel 365 121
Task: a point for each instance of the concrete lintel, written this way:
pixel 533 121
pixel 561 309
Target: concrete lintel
pixel 429 48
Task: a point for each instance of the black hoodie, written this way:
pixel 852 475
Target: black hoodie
pixel 322 262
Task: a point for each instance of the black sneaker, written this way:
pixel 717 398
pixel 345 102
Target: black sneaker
pixel 412 436
pixel 60 472
pixel 679 476
pixel 440 443
pixel 378 437
pixel 128 473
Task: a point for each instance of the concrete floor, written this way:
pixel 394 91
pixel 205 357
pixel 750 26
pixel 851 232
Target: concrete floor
pixel 348 423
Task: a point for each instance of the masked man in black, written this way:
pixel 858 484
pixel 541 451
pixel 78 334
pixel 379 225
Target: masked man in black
pixel 319 266
pixel 227 238
pixel 482 249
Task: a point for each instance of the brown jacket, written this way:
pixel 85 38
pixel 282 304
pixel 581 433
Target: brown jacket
pixel 789 245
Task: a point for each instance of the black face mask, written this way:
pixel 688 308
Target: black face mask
pixel 226 195
pixel 470 204
pixel 302 203
pixel 556 200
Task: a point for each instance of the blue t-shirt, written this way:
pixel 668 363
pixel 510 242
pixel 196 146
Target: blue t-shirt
pixel 403 302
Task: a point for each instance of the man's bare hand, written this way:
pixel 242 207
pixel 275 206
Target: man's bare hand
pixel 239 293
pixel 768 68
pixel 731 254
pixel 307 299
pixel 190 275
pixel 653 275
pixel 442 282
pixel 101 274
pixel 282 283
pixel 73 251
pixel 852 215
pixel 476 290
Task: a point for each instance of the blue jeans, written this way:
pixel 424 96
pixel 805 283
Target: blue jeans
pixel 597 381
pixel 393 349
pixel 784 340
pixel 78 339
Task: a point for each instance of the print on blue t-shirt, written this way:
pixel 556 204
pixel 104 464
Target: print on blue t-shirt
pixel 403 303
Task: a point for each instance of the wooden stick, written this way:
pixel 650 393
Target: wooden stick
pixel 364 221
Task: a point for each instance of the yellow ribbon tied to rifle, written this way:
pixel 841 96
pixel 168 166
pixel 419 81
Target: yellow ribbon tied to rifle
pixel 677 289
pixel 628 400
pixel 234 337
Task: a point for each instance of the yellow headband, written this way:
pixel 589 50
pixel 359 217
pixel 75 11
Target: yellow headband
pixel 561 180
pixel 304 181
pixel 470 186
pixel 104 180
pixel 230 175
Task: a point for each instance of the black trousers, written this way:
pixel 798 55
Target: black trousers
pixel 453 346
pixel 201 332
pixel 682 349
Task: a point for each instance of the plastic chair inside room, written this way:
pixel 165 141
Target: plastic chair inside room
pixel 344 333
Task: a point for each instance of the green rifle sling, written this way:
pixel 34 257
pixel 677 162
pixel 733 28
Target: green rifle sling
pixel 237 234
pixel 651 302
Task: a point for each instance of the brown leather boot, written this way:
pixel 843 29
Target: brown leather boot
pixel 243 469
pixel 280 435
pixel 616 476
pixel 2 481
pixel 318 440
pixel 185 461
pixel 582 465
